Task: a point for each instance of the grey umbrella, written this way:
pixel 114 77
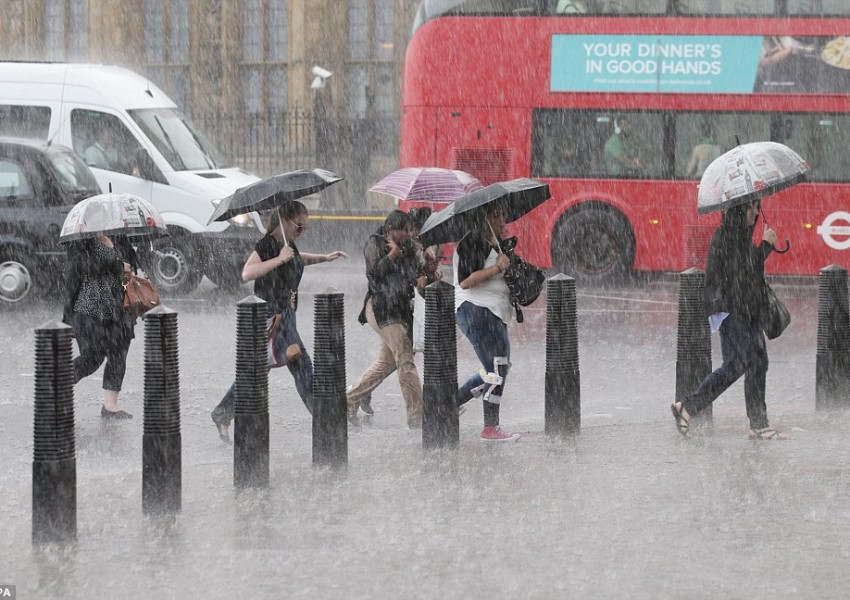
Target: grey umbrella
pixel 517 198
pixel 273 191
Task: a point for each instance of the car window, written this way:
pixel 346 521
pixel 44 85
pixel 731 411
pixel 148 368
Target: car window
pixel 13 181
pixel 73 175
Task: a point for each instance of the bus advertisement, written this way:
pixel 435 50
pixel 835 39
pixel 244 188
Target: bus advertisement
pixel 621 113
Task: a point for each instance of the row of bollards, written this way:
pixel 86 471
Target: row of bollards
pixel 54 457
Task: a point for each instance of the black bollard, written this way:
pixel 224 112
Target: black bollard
pixel 832 366
pixel 693 342
pixel 161 443
pixel 440 423
pixel 251 425
pixel 54 464
pixel 562 405
pixel 330 425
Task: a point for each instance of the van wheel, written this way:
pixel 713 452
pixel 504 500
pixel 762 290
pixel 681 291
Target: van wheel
pixel 595 244
pixel 228 277
pixel 17 277
pixel 175 267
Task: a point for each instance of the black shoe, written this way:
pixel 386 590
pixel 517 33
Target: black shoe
pixel 116 415
pixel 366 405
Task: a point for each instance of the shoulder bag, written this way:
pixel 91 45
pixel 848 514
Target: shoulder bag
pixel 775 317
pixel 139 295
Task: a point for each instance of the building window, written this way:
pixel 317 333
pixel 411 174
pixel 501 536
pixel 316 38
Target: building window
pixel 167 47
pixel 265 40
pixel 66 30
pixel 372 85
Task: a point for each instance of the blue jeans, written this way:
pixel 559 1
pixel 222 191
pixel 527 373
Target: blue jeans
pixel 488 335
pixel 744 353
pixel 301 369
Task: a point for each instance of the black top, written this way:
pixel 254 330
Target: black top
pixel 734 273
pixel 391 280
pixel 279 286
pixel 472 252
pixel 93 279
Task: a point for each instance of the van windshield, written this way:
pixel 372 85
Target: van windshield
pixel 183 147
pixel 74 176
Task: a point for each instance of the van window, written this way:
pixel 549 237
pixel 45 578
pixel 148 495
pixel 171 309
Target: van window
pixel 25 121
pixel 103 141
pixel 13 181
pixel 183 147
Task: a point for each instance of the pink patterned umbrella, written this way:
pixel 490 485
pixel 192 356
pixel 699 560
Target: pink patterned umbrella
pixel 427 184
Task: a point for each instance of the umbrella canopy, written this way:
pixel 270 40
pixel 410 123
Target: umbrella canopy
pixel 112 214
pixel 427 184
pixel 273 191
pixel 517 197
pixel 749 172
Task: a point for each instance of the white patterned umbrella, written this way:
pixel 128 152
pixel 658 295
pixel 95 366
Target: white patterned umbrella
pixel 749 172
pixel 112 214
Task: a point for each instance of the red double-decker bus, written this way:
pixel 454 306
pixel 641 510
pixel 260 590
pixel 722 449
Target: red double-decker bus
pixel 620 105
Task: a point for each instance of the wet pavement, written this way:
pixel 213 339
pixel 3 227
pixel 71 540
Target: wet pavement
pixel 626 509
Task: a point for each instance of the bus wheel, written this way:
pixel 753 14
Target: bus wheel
pixel 593 245
pixel 174 267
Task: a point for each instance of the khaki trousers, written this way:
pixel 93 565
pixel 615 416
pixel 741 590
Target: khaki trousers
pixel 395 353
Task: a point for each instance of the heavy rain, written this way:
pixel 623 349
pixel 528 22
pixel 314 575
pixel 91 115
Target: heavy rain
pixel 169 149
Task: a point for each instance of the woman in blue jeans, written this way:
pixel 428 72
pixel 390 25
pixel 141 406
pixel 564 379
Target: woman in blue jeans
pixel 483 306
pixel 276 267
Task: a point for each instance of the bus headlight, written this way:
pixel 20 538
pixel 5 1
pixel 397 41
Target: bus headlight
pixel 242 221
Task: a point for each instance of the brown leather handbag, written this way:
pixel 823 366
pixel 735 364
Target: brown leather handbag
pixel 139 295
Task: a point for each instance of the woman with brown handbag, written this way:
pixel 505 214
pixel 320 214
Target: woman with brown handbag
pixel 276 266
pixel 94 307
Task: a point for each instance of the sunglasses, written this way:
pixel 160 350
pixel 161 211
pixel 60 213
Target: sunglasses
pixel 298 226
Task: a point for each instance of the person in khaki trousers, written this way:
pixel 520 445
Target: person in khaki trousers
pixel 393 272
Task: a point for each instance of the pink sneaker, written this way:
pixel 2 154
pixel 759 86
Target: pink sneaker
pixel 494 433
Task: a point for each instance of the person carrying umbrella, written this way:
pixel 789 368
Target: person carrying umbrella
pixel 735 296
pixel 392 271
pixel 99 255
pixel 735 287
pixel 276 266
pixel 483 303
pixel 483 311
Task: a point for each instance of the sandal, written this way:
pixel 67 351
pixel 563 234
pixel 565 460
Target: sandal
pixel 682 422
pixel 768 433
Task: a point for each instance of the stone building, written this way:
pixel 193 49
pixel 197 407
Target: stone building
pixel 241 69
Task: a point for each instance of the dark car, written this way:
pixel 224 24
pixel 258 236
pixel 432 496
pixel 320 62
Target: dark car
pixel 39 183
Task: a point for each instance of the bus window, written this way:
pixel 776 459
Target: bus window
pixel 702 137
pixel 725 7
pixel 818 8
pixel 634 147
pixel 823 141
pixel 589 144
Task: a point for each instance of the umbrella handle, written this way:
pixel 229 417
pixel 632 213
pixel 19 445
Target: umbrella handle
pixel 785 249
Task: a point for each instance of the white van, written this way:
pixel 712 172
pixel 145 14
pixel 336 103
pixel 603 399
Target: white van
pixel 135 140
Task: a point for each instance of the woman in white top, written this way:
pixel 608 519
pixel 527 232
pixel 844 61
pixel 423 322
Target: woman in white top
pixel 483 306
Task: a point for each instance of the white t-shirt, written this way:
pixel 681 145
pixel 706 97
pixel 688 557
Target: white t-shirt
pixel 492 294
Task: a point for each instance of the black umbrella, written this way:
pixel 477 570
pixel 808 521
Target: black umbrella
pixel 517 197
pixel 273 191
